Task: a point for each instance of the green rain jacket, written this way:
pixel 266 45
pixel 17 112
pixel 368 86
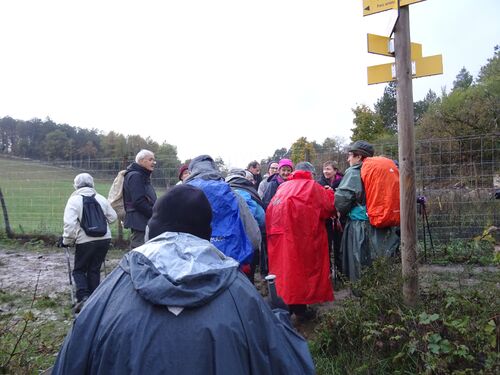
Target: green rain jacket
pixel 361 242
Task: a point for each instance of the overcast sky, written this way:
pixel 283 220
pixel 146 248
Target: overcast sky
pixel 235 79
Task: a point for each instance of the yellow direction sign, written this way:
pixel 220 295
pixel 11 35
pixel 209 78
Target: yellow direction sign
pixel 377 6
pixel 428 66
pixel 383 45
pixel 381 73
pixel 421 67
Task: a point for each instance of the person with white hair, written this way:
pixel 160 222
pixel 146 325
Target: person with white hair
pixel 90 251
pixel 139 196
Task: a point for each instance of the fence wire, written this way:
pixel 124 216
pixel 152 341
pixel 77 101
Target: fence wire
pixel 457 177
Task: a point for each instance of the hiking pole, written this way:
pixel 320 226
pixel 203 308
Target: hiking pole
pixel 66 251
pixel 104 266
pixel 421 211
pixel 428 228
pixel 271 288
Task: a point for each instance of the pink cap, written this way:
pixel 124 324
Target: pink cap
pixel 285 163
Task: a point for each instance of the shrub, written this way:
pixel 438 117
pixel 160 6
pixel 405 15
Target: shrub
pixel 449 331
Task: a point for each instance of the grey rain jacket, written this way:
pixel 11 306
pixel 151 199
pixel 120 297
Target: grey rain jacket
pixel 361 242
pixel 177 305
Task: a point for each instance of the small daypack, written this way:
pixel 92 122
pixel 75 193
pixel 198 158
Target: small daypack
pixel 380 178
pixel 115 195
pixel 93 221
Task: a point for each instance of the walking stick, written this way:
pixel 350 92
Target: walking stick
pixel 66 251
pixel 104 266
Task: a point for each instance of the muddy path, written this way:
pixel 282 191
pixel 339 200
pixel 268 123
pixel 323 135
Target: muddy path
pixel 47 270
pixel 22 270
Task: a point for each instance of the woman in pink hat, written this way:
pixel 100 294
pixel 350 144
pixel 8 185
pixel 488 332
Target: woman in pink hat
pixel 285 168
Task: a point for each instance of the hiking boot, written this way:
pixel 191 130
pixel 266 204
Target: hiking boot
pixel 79 305
pixel 306 316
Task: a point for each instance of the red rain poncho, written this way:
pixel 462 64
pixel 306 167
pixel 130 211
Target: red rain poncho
pixel 297 240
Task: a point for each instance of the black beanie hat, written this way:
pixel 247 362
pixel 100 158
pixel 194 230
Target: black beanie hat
pixel 362 147
pixel 184 208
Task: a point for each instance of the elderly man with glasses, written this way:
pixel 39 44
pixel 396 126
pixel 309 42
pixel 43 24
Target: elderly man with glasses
pixel 139 196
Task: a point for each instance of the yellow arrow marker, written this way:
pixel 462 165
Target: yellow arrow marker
pixel 381 45
pixel 376 6
pixel 429 66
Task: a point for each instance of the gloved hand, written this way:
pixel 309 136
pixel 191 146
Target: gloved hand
pixel 60 242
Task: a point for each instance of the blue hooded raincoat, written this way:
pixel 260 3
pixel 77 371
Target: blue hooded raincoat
pixel 177 305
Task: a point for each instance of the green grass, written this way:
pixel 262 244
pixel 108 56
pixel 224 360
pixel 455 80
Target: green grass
pixel 31 331
pixel 36 194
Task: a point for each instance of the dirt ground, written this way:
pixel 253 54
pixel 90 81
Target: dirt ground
pixel 47 270
pixel 20 270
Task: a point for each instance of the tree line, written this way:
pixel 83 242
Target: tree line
pixel 471 107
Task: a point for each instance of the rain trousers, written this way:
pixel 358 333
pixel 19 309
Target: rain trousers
pixel 361 242
pixel 177 305
pixel 297 240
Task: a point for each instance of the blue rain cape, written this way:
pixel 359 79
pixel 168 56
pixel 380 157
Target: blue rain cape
pixel 177 305
pixel 228 232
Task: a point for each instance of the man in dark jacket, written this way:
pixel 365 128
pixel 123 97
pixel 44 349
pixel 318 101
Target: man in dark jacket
pixel 254 168
pixel 139 196
pixel 188 310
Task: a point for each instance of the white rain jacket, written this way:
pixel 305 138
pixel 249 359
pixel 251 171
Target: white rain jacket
pixel 73 233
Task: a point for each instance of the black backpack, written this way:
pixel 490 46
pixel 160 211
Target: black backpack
pixel 93 221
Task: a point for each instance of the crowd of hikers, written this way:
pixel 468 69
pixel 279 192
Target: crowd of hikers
pixel 183 301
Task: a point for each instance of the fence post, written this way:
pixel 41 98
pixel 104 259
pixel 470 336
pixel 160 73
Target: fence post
pixel 10 234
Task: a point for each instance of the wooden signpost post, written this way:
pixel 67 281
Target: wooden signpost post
pixel 409 63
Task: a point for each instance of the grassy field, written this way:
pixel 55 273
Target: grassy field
pixel 35 195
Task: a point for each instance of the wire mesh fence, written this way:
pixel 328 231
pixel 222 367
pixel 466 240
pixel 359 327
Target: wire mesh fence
pixel 456 176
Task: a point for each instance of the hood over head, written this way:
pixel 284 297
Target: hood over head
pixel 83 180
pixel 204 167
pixel 237 180
pixel 179 270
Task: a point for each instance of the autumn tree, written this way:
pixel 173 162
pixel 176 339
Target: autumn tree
pixel 368 125
pixel 302 150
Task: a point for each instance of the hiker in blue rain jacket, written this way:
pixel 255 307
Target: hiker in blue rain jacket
pixel 229 211
pixel 177 305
